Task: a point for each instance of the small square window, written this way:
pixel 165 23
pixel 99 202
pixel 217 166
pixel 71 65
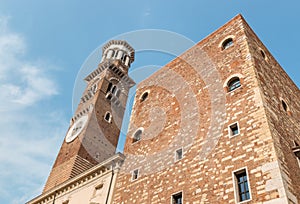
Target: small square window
pixel 233 129
pixel 178 154
pixel 242 190
pixel 107 117
pixel 177 198
pixel 135 174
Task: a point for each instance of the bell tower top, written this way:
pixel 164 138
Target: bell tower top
pixel 117 55
pixel 118 50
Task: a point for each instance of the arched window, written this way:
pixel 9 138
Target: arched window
pixel 144 96
pixel 233 84
pixel 285 107
pixel 263 54
pixel 227 43
pixel 137 135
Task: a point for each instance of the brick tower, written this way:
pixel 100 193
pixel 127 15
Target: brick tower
pixel 219 124
pixel 94 130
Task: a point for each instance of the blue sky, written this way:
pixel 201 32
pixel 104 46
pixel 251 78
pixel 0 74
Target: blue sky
pixel 43 44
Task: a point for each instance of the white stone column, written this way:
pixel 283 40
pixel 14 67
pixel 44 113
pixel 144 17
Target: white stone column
pixel 127 61
pixel 109 54
pixel 120 53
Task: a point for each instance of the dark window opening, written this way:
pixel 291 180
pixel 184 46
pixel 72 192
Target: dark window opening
pixel 233 84
pixel 177 198
pixel 114 88
pixel 123 58
pixel 263 54
pixel 109 87
pixel 178 154
pixel 137 135
pixel 109 96
pixel 284 105
pixel 107 117
pixel 227 43
pixel 116 54
pixel 234 129
pixel 144 96
pixel 135 174
pixel 242 184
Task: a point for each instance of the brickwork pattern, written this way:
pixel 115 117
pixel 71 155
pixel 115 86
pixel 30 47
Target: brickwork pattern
pixel 170 112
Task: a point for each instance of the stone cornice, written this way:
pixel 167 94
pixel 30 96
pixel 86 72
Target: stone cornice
pixel 124 77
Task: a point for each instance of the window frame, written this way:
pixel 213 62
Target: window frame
pixel 110 117
pixel 133 174
pixel 235 185
pixel 227 43
pixel 230 132
pixel 285 106
pixel 263 54
pixel 231 83
pixel 144 96
pixel 134 140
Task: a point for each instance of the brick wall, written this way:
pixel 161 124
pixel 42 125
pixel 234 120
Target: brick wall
pixel 188 107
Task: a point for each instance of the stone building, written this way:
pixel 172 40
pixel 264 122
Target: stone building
pixel 218 124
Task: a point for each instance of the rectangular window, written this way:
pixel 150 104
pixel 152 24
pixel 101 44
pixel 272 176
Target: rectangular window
pixel 135 174
pixel 178 154
pixel 177 198
pixel 233 129
pixel 242 191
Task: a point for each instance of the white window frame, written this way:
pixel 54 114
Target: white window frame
pixel 110 117
pixel 230 131
pixel 133 136
pixel 137 176
pixel 141 97
pixel 236 188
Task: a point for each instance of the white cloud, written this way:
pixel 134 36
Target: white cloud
pixel 30 136
pixel 23 82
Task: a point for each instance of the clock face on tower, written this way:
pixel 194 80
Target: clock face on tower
pixel 76 128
